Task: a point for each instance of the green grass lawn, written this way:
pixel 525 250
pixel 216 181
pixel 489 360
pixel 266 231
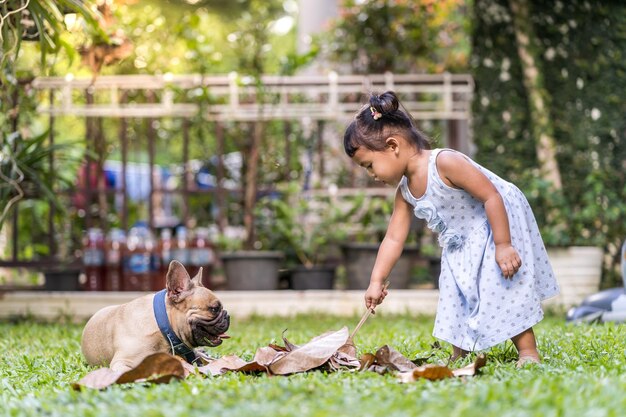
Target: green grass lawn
pixel 584 374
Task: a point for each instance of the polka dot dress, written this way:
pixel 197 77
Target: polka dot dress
pixel 478 307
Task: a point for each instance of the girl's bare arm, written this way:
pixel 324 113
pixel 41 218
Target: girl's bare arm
pixel 457 171
pixel 390 250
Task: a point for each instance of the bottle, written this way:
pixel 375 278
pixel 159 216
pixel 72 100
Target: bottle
pixel 137 262
pixel 201 255
pixel 157 282
pixel 93 260
pixel 165 251
pixel 114 249
pixel 180 252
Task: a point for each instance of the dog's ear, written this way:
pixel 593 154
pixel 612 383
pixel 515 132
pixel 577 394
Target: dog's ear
pixel 198 278
pixel 178 282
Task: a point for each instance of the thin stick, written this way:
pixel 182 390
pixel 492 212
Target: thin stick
pixel 363 318
pixel 365 315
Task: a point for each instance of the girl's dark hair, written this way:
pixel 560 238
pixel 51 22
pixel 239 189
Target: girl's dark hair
pixel 378 120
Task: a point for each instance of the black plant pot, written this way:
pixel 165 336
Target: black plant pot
pixel 319 277
pixel 251 270
pixel 62 280
pixel 359 261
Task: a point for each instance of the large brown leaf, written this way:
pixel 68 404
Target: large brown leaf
pixel 98 379
pixel 311 355
pixel 156 368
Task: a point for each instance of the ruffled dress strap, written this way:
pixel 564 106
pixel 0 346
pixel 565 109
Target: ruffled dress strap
pixel 424 207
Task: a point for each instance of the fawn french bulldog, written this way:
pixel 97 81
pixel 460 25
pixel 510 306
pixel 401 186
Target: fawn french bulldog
pixel 183 316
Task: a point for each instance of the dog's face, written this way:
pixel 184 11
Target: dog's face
pixel 207 318
pixel 196 314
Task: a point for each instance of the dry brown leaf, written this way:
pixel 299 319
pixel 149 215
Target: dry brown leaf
pixel 386 359
pixel 265 356
pixel 366 360
pixel 394 360
pixel 311 355
pixel 348 348
pixel 345 359
pixel 187 367
pixel 473 368
pixel 222 365
pixel 340 360
pixel 98 379
pixel 262 359
pixel 156 368
pixel 436 372
pixel 288 345
pixel 432 372
pixel 278 348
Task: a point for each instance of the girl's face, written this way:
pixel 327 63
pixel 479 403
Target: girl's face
pixel 385 166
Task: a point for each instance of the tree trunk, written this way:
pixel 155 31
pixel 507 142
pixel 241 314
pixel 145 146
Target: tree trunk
pixel 541 126
pixel 252 184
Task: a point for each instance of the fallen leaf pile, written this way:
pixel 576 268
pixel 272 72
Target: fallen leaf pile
pixel 387 359
pixel 326 351
pixel 277 360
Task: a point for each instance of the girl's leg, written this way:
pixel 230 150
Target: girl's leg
pixel 526 347
pixel 457 353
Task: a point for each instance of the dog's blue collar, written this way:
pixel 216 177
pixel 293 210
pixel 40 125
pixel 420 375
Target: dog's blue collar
pixel 160 314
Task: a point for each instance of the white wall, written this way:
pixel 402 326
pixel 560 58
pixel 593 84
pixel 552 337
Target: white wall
pixel 312 17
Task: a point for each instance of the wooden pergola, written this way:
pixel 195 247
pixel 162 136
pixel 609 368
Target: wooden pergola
pixel 235 98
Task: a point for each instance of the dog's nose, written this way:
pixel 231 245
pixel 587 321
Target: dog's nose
pixel 224 321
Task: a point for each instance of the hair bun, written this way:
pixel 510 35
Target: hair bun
pixel 385 103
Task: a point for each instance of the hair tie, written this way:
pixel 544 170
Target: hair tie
pixel 376 115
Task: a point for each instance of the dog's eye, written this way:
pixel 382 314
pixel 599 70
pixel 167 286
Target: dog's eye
pixel 214 310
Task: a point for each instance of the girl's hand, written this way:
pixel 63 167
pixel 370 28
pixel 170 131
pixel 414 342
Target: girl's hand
pixel 375 294
pixel 508 259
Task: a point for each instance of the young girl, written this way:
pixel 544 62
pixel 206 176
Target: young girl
pixel 494 267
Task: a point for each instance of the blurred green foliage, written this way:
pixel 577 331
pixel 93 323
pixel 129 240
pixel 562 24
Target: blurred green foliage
pixel 400 36
pixel 582 59
pixel 307 228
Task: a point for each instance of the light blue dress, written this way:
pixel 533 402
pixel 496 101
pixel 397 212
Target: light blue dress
pixel 478 307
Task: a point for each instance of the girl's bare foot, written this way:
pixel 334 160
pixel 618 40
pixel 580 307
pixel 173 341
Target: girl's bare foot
pixel 457 353
pixel 524 360
pixel 526 347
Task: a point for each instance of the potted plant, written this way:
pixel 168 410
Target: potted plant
pixel 309 230
pixel 247 270
pixel 371 221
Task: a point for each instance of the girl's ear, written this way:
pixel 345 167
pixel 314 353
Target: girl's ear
pixel 392 143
